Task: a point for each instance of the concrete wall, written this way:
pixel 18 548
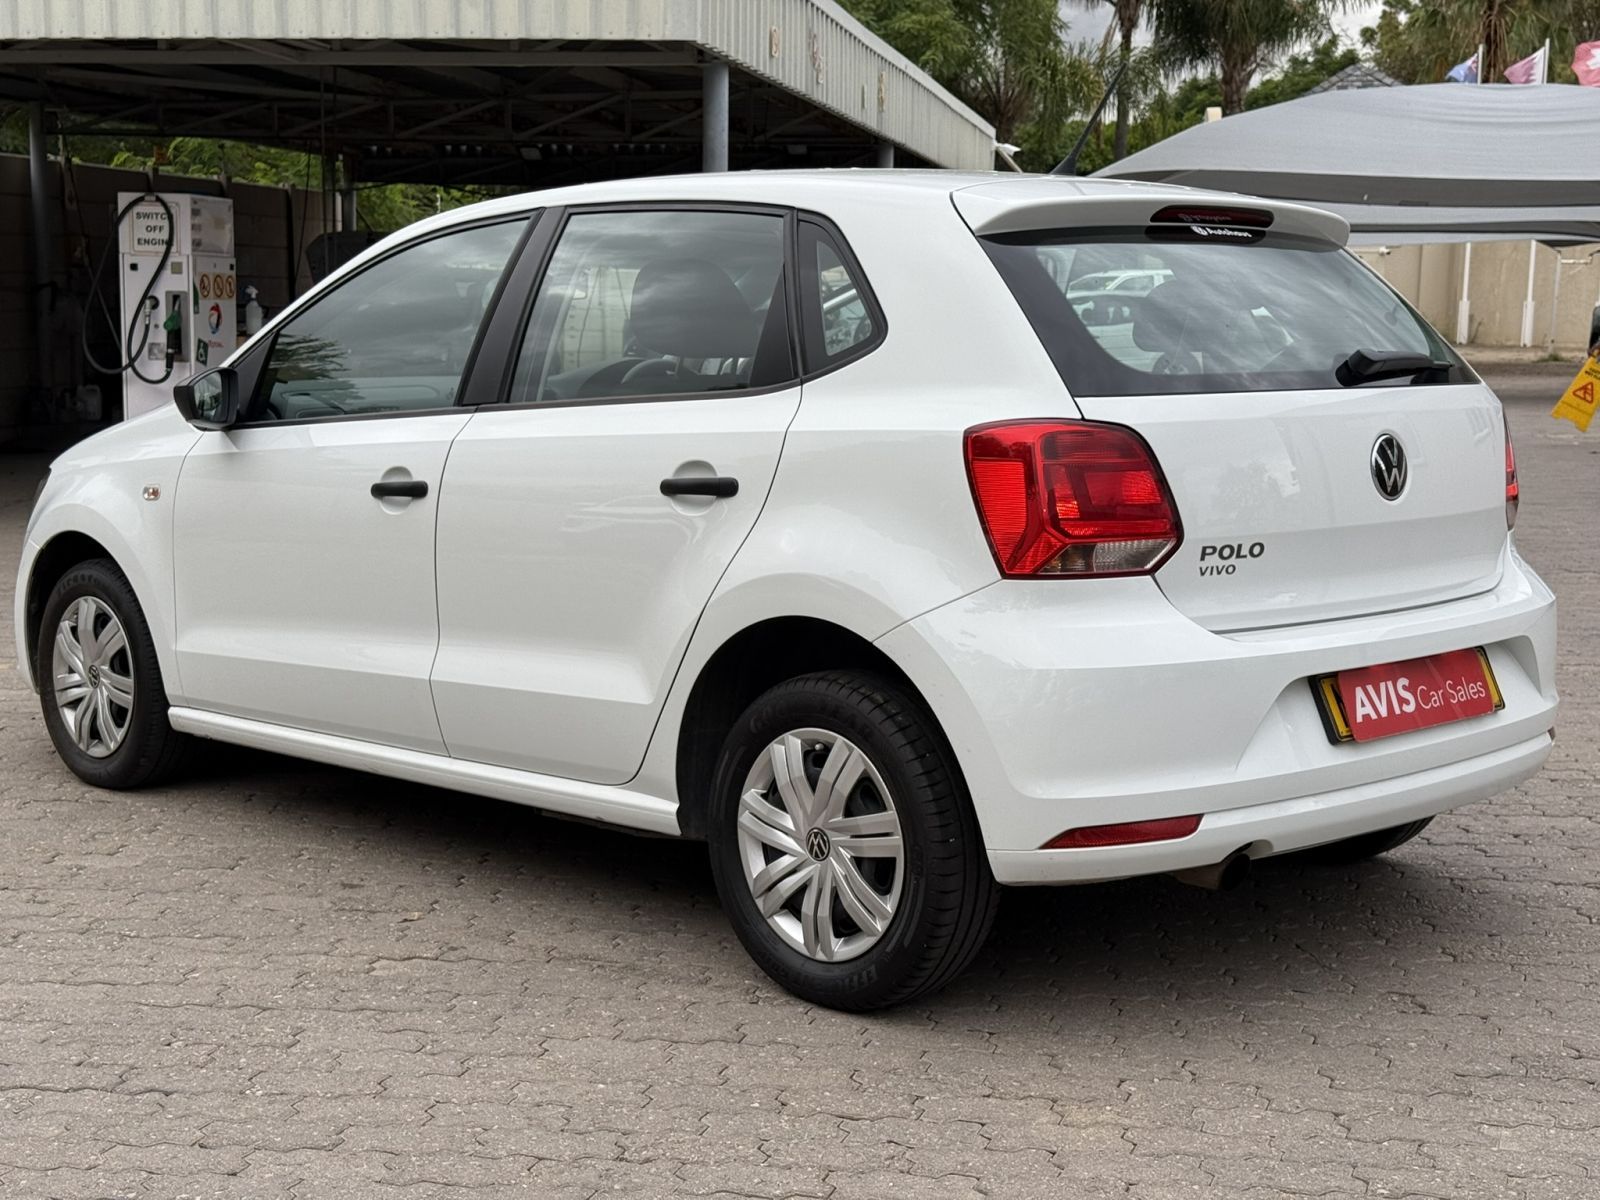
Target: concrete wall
pixel 1430 277
pixel 79 228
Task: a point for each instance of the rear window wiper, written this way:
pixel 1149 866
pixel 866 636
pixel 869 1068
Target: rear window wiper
pixel 1369 366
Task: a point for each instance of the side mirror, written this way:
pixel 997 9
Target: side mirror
pixel 209 401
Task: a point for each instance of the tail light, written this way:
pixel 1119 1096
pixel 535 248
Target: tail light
pixel 1513 489
pixel 1068 498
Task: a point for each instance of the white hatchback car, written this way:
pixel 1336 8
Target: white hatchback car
pixel 801 513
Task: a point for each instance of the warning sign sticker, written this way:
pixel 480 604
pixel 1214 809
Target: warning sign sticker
pixel 149 230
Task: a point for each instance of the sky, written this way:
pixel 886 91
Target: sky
pixel 1089 23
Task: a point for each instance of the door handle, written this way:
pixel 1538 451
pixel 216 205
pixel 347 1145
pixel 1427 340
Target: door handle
pixel 407 489
pixel 719 486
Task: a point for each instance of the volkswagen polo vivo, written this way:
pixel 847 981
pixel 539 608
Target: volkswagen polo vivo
pixel 808 515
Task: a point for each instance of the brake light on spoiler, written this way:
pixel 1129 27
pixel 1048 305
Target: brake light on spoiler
pixel 1208 223
pixel 1198 214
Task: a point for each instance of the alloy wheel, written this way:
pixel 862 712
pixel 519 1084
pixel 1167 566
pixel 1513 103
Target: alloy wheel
pixel 93 676
pixel 821 844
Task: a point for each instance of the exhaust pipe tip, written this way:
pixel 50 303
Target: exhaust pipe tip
pixel 1218 877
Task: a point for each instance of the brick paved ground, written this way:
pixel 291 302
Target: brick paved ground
pixel 282 980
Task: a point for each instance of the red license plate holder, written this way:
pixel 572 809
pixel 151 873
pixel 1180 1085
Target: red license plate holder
pixel 1368 703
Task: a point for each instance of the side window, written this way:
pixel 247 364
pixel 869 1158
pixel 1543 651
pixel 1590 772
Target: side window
pixel 840 317
pixel 658 303
pixel 394 338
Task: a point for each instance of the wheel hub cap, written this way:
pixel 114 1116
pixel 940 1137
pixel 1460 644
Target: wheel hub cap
pixel 92 675
pixel 817 844
pixel 821 845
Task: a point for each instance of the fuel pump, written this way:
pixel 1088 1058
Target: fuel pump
pixel 177 288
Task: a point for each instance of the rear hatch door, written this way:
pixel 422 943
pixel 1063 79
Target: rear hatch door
pixel 1310 484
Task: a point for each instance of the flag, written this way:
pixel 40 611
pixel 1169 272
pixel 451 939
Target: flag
pixel 1529 70
pixel 1577 403
pixel 1586 62
pixel 1466 72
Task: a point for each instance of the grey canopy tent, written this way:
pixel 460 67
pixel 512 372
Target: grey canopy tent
pixel 1433 162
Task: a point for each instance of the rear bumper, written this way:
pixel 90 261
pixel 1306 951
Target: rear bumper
pixel 1261 830
pixel 1074 703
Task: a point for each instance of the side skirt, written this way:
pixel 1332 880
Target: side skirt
pixel 569 797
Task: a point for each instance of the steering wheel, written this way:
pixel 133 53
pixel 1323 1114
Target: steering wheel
pixel 650 369
pixel 1178 362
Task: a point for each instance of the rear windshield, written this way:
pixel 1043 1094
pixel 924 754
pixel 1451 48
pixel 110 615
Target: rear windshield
pixel 1130 313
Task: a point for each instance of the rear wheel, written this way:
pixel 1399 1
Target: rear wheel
pixel 1364 845
pixel 99 682
pixel 844 846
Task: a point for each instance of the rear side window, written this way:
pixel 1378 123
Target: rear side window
pixel 658 303
pixel 839 317
pixel 1123 313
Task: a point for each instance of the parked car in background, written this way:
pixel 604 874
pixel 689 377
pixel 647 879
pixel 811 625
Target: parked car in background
pixel 808 515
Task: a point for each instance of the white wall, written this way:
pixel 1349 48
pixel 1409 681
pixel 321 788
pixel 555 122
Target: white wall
pixel 1430 277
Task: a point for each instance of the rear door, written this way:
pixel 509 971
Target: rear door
pixel 1283 467
pixel 585 522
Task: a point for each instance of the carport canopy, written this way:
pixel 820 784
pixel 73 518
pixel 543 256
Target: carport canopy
pixel 492 91
pixel 1433 162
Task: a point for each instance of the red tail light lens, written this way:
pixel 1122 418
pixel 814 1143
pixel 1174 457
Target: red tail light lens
pixel 1513 488
pixel 1127 833
pixel 1068 498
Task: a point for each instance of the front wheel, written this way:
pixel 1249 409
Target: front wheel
pixel 99 682
pixel 844 845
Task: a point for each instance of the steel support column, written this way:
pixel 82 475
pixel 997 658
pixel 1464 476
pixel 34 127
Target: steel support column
pixel 885 154
pixel 714 116
pixel 43 250
pixel 347 197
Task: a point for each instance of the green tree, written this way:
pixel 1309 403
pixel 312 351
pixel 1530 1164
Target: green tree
pixel 1126 17
pixel 1420 42
pixel 383 207
pixel 1007 59
pixel 1237 38
pixel 1302 73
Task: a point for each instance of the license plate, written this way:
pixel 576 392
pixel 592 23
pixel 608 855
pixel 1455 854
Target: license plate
pixel 1381 701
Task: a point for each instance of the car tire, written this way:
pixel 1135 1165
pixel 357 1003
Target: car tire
pixel 1363 846
pixel 881 785
pixel 109 723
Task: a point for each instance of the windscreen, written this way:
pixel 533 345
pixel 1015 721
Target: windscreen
pixel 1137 313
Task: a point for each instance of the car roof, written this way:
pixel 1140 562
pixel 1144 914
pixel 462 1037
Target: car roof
pixel 830 189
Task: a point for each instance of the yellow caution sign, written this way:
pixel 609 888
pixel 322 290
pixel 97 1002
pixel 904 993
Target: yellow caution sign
pixel 1577 403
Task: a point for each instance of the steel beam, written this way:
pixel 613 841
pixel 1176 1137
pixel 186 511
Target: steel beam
pixel 354 59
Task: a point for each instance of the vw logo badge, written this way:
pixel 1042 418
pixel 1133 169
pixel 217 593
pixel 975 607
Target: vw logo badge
pixel 817 844
pixel 1389 469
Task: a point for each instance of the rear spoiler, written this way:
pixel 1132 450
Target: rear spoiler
pixel 1052 202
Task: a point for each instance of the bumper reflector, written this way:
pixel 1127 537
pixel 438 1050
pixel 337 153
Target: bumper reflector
pixel 1127 833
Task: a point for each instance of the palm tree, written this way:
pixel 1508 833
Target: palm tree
pixel 1006 58
pixel 1127 15
pixel 1419 42
pixel 1237 38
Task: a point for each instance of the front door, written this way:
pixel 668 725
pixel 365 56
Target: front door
pixel 304 536
pixel 584 525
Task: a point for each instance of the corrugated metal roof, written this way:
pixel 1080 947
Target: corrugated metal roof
pixel 811 48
